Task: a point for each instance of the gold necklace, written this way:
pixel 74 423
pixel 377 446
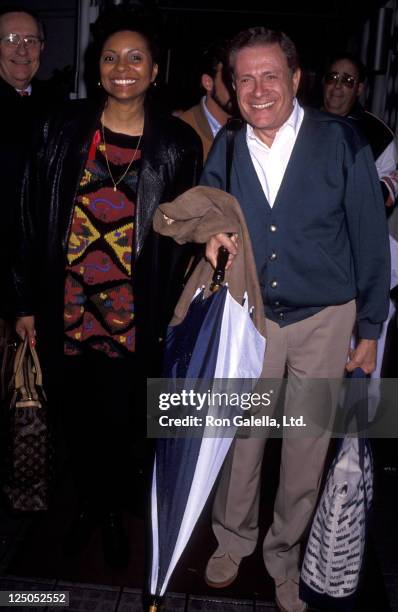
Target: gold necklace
pixel 116 183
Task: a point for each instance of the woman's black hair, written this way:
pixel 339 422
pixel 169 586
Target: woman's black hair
pixel 121 18
pixel 138 18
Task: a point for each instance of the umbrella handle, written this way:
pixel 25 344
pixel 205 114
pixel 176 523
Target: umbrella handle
pixel 219 272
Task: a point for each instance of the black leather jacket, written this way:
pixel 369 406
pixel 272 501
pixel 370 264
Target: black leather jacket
pixel 21 115
pixel 171 164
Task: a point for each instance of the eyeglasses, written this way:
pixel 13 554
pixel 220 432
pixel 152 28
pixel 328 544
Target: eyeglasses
pixel 345 79
pixel 15 40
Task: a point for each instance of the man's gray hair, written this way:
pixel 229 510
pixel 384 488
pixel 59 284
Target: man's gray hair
pixel 257 36
pixel 21 9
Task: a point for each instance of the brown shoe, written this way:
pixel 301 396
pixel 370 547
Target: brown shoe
pixel 287 596
pixel 221 570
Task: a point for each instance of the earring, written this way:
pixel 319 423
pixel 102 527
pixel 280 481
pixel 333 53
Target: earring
pixel 99 84
pixel 154 84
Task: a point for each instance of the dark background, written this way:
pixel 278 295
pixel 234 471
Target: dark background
pixel 318 29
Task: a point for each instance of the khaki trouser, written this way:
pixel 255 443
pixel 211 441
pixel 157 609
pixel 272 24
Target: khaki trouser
pixel 316 347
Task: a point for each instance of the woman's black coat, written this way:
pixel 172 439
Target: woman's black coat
pixel 171 163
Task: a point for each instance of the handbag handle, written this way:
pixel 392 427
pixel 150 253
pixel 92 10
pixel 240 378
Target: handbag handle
pixel 19 361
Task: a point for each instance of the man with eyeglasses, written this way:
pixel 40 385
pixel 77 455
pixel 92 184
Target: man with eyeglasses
pixel 21 44
pixel 24 100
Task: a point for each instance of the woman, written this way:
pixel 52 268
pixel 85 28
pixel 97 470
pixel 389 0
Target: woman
pixel 94 282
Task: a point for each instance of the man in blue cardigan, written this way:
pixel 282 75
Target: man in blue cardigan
pixel 308 187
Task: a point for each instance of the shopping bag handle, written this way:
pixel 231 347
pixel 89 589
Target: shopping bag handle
pixel 358 410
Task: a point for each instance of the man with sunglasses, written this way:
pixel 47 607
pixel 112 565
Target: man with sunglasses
pixel 343 83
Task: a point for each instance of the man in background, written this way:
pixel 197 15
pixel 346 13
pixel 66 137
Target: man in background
pixel 343 83
pixel 24 100
pixel 216 106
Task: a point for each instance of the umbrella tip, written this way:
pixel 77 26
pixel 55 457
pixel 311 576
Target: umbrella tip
pixel 155 602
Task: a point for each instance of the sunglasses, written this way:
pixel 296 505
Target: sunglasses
pixel 345 79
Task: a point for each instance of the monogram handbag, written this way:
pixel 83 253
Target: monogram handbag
pixel 29 444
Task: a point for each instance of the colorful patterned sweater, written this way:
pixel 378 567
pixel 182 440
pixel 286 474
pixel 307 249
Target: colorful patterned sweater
pixel 99 302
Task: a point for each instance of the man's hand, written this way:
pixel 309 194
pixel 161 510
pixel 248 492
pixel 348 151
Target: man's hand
pixel 364 356
pixel 26 326
pixel 215 242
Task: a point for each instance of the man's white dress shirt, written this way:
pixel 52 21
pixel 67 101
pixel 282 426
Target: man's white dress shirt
pixel 271 162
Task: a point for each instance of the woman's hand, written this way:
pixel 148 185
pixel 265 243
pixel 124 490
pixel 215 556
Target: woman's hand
pixel 26 326
pixel 215 242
